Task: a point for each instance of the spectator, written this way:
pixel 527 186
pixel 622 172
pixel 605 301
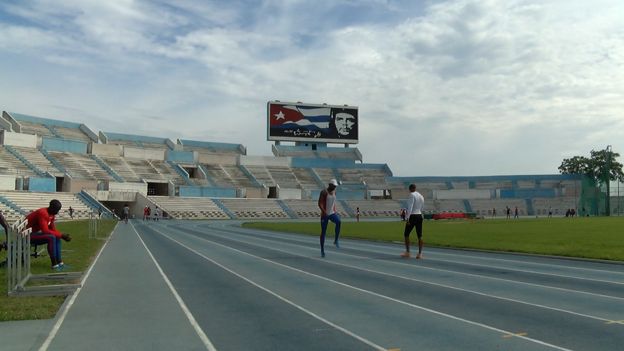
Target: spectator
pixel 71 212
pixel 156 213
pixel 357 214
pixel 4 225
pixel 146 212
pixel 44 231
pixel 516 212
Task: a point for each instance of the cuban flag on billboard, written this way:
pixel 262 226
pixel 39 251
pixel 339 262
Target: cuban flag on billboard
pixel 290 116
pixel 322 123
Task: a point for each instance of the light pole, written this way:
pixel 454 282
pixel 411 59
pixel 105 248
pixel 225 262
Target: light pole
pixel 608 180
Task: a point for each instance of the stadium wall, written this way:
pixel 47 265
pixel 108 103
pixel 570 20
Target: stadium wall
pixel 460 194
pixel 146 154
pixel 181 156
pixel 525 193
pixel 264 161
pixel 341 195
pixel 110 150
pixel 287 194
pixel 47 185
pixel 7 182
pixel 18 139
pixel 299 162
pixel 128 187
pixel 76 185
pixel 63 145
pixel 226 160
pixel 202 191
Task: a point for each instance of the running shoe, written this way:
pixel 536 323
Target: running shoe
pixel 337 245
pixel 322 254
pixel 405 254
pixel 419 256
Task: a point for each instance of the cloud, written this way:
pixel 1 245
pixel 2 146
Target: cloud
pixel 471 87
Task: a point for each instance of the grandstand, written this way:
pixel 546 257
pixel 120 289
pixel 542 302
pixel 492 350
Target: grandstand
pixel 42 158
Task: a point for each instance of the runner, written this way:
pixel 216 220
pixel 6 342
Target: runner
pixel 415 204
pixel 327 204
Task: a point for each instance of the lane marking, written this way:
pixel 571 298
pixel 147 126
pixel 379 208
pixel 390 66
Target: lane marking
pixel 446 270
pixel 501 331
pixel 73 298
pixel 422 281
pixel 204 338
pixel 616 322
pixel 507 336
pixel 346 331
pixel 509 268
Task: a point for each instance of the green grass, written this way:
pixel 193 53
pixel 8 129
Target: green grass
pixel 79 253
pixel 589 237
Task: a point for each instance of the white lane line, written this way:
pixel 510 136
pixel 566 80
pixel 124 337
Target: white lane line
pixel 73 298
pixel 416 280
pixel 346 331
pixel 466 274
pixel 204 338
pixel 513 269
pixel 370 293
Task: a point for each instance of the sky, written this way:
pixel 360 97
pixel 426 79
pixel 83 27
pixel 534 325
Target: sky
pixel 444 88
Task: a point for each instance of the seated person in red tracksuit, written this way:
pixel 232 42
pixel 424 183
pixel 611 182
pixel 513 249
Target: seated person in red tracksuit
pixel 3 223
pixel 41 222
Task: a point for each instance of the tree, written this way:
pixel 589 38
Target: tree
pixel 598 166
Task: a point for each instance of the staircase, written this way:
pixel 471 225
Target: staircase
pixel 181 172
pixel 287 209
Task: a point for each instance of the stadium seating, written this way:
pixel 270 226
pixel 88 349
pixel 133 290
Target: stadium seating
pixel 189 207
pixel 35 157
pixel 29 201
pixel 377 208
pixel 80 165
pixel 9 164
pixel 255 208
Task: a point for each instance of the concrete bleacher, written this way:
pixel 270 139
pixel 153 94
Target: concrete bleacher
pixel 144 169
pixel 262 175
pixel 189 207
pixel 238 177
pixel 72 133
pixel 309 208
pixel 29 201
pixel 484 207
pixel 119 165
pixel 212 148
pixel 9 164
pixel 284 176
pixel 558 206
pixel 80 165
pixel 35 128
pixel 167 171
pixel 35 157
pixel 325 174
pixel 377 208
pixel 446 206
pixel 255 208
pixel 305 178
pixel 218 175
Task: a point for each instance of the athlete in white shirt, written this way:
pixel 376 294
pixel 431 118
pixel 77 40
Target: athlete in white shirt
pixel 415 204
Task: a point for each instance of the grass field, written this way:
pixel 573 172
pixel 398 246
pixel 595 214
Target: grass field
pixel 588 237
pixel 79 253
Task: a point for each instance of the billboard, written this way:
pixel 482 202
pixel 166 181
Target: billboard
pixel 290 121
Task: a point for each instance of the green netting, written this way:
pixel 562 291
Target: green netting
pixel 593 197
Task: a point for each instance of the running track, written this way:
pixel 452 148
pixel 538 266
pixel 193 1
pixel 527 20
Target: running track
pixel 216 286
